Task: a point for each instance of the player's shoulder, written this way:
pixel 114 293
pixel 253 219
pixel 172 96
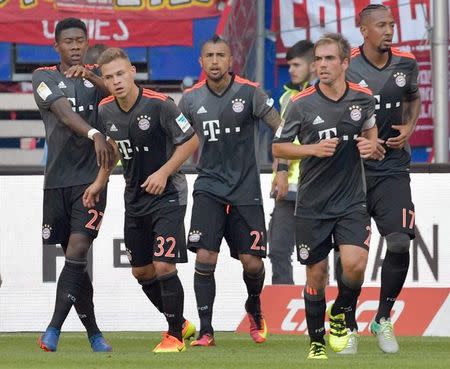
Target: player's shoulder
pixel 153 95
pixel 243 81
pixel 355 52
pixel 402 54
pixel 360 89
pixel 194 88
pixel 107 100
pixel 311 90
pixel 45 70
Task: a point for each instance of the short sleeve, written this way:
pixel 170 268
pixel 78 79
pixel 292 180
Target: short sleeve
pixel 45 89
pixel 174 123
pixel 290 124
pixel 183 105
pixel 413 86
pixel 261 103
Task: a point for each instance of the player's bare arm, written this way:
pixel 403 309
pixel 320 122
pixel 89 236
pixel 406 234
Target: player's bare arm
pixel 411 113
pixel 91 195
pixel 322 149
pixel 80 71
pixel 63 110
pixel 156 182
pixel 368 144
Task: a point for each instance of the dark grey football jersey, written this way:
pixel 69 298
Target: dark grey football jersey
pixel 226 125
pixel 391 85
pixel 71 159
pixel 146 136
pixel 329 187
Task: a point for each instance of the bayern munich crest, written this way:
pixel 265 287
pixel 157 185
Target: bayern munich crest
pixel 238 105
pixel 88 83
pixel 355 112
pixel 143 122
pixel 303 251
pixel 194 236
pixel 46 231
pixel 400 79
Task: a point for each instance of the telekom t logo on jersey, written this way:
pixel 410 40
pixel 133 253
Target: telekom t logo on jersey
pixel 211 128
pixel 327 133
pixel 125 148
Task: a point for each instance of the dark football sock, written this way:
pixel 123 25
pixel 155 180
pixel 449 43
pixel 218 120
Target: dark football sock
pixel 172 296
pixel 348 294
pixel 393 275
pixel 152 289
pixel 254 284
pixel 315 307
pixel 84 306
pixel 350 318
pixel 70 282
pixel 205 293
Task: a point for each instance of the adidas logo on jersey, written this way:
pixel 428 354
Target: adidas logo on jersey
pixel 113 128
pixel 363 83
pixel 318 120
pixel 61 85
pixel 201 110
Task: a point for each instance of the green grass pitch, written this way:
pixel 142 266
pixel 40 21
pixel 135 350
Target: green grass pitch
pixel 133 350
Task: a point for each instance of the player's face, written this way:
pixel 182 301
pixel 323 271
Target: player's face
pixel 72 45
pixel 216 60
pixel 118 76
pixel 299 70
pixel 378 30
pixel 329 66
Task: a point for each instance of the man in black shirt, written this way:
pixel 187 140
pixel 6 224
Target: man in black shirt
pixel 67 96
pixel 392 76
pixel 154 139
pixel 224 110
pixel 335 124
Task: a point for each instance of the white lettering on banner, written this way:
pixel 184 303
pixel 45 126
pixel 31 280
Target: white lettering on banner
pixel 294 306
pixel 323 16
pixel 97 30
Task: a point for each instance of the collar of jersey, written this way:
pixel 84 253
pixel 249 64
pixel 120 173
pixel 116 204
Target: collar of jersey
pixel 225 91
pixel 321 94
pixel 388 63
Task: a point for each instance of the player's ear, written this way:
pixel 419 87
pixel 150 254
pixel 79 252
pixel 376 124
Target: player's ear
pixel 363 30
pixel 200 62
pixel 133 71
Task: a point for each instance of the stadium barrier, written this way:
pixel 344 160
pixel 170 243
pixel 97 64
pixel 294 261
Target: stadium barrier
pixel 29 270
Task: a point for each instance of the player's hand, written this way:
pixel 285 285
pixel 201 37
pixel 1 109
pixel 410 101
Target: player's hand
pixel 326 148
pixel 104 151
pixel 280 184
pixel 367 148
pixel 78 71
pixel 399 141
pixel 155 183
pixel 91 195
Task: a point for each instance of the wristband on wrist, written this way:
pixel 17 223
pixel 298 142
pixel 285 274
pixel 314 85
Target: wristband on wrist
pixel 281 167
pixel 92 132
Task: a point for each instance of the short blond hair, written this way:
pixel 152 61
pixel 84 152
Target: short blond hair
pixel 111 54
pixel 339 40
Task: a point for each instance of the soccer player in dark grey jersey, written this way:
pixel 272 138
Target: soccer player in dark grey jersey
pixel 335 124
pixel 67 96
pixel 224 110
pixel 392 76
pixel 153 139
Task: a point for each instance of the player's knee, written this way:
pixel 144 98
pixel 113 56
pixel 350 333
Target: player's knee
pixel 204 269
pixel 317 275
pixel 252 264
pixel 398 242
pixel 162 268
pixel 144 273
pixel 206 256
pixel 78 245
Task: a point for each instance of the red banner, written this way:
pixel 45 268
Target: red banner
pixel 295 20
pixel 121 23
pixel 284 309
